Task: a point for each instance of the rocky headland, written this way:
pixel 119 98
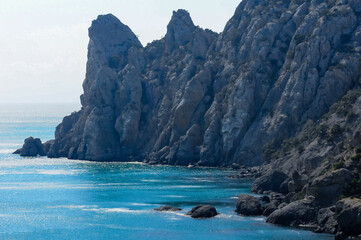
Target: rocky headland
pixel 276 95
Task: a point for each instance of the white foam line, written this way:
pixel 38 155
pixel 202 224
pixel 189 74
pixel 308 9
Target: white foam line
pixel 115 210
pixel 173 196
pixel 141 204
pixel 74 206
pixel 58 172
pixel 153 180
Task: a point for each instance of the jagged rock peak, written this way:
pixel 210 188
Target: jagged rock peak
pixel 181 16
pixel 110 29
pixel 179 29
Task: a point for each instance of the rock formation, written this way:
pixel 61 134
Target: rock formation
pixel 201 98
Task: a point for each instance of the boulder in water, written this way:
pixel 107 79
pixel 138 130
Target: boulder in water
pixel 203 211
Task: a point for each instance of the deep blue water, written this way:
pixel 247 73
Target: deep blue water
pixel 44 198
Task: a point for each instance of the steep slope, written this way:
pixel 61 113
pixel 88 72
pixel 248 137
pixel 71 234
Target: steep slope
pixel 323 172
pixel 195 97
pixel 323 147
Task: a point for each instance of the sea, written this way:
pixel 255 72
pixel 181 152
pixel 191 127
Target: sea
pixel 43 198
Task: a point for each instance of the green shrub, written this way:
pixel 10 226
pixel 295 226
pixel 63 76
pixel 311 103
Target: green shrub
pixel 300 149
pixel 336 130
pixel 358 150
pixel 321 130
pixel 270 150
pixel 353 189
pixel 338 165
pixel 343 107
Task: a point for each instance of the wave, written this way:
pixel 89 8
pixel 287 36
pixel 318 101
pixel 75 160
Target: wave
pixel 116 210
pixel 153 180
pixel 173 196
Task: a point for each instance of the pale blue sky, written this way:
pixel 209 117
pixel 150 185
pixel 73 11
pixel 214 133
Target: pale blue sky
pixel 44 42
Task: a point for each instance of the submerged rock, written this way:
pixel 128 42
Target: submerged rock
pixel 167 209
pixel 203 211
pixel 32 147
pixel 248 205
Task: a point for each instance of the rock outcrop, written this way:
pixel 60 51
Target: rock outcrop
pixel 32 147
pixel 201 98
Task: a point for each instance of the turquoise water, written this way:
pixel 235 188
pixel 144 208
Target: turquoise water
pixel 44 198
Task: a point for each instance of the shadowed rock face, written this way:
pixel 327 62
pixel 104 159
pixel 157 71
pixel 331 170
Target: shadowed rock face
pixel 196 97
pixel 248 205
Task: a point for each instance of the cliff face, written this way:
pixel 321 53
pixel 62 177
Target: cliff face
pixel 196 97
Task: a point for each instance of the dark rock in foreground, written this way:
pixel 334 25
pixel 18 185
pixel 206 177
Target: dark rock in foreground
pixel 326 220
pixel 203 211
pixel 349 216
pixel 32 147
pixel 167 209
pixel 248 205
pixel 297 213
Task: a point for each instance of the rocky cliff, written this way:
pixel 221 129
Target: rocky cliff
pixel 202 98
pixel 316 174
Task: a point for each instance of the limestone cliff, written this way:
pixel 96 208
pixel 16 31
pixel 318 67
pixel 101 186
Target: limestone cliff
pixel 197 97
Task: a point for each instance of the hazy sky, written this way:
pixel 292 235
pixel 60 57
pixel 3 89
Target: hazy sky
pixel 43 43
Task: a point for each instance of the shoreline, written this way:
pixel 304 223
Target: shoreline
pixel 235 176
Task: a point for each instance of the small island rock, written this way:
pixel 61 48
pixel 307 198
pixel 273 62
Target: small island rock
pixel 203 211
pixel 32 147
